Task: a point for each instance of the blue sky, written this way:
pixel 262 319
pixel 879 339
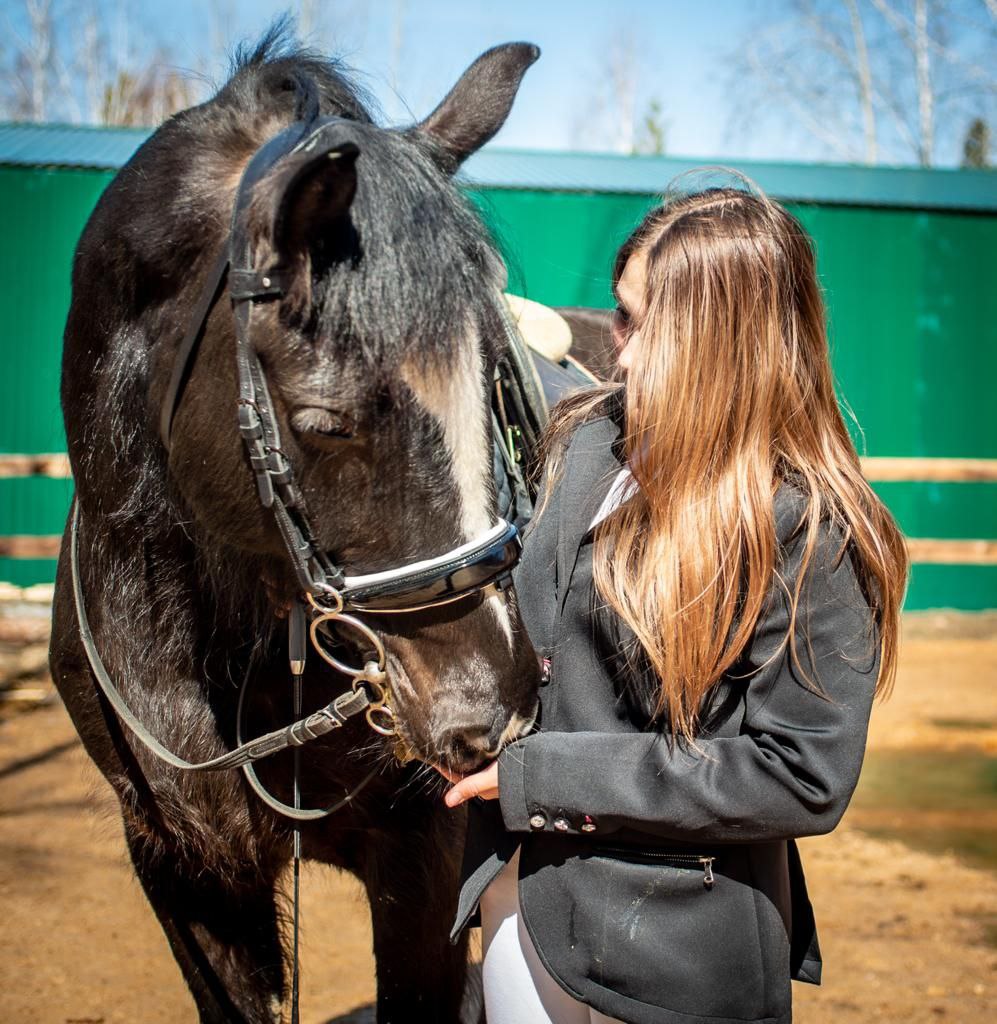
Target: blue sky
pixel 681 56
pixel 409 52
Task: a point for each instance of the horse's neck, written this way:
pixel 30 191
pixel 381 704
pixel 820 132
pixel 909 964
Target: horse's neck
pixel 192 612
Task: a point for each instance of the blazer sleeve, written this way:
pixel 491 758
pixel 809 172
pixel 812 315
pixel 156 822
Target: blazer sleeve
pixel 789 772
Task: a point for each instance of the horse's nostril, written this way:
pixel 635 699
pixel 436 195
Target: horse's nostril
pixel 468 745
pixel 465 754
pixel 508 728
pixel 464 746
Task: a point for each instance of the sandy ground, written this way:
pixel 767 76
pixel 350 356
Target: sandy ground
pixel 907 936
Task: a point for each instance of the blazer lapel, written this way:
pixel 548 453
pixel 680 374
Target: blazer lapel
pixel 591 464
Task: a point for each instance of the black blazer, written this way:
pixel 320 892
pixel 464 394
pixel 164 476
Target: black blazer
pixel 661 885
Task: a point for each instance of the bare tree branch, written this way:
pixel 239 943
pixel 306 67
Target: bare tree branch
pixel 791 97
pixel 868 79
pixel 608 117
pixel 901 122
pixel 90 61
pixel 307 18
pixel 101 68
pixel 925 100
pixel 855 64
pixel 39 55
pixel 863 72
pixel 908 31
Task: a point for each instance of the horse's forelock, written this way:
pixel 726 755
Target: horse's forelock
pixel 425 266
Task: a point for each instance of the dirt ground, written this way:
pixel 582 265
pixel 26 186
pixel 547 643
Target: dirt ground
pixel 907 935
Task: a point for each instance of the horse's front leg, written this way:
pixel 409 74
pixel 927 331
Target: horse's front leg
pixel 221 924
pixel 411 882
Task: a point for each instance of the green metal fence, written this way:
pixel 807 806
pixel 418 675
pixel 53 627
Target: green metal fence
pixel 909 275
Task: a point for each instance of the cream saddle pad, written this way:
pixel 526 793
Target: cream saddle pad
pixel 544 330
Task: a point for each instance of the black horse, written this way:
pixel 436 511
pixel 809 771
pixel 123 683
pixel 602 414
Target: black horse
pixel 379 355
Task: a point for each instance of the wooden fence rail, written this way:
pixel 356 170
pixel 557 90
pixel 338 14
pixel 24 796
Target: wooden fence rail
pixel 53 465
pixel 876 469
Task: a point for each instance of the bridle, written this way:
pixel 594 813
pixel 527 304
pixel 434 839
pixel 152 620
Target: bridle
pixel 328 597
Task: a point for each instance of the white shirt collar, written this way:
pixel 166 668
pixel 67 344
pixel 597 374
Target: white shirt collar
pixel 620 490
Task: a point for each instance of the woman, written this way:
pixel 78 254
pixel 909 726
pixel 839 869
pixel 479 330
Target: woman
pixel 717 590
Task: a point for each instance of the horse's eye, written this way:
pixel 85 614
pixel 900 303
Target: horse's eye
pixel 330 423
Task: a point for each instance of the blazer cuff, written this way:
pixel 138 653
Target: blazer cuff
pixel 512 787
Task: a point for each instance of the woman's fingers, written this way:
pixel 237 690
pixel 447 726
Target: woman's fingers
pixel 483 784
pixel 461 792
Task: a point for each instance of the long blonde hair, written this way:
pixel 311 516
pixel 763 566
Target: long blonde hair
pixel 729 393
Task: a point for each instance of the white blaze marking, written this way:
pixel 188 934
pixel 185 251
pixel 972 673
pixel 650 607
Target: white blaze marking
pixel 455 395
pixel 501 609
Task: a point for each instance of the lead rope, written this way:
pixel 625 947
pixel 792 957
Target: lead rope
pixel 333 716
pixel 297 650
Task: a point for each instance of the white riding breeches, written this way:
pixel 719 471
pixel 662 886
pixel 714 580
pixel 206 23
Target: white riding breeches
pixel 518 988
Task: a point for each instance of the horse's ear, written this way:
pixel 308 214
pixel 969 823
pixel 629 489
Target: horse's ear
pixel 313 193
pixel 477 106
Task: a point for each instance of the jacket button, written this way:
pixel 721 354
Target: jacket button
pixel 588 824
pixel 538 820
pixel 562 824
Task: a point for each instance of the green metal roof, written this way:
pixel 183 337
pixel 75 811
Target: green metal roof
pixel 836 184
pixel 46 145
pixel 59 145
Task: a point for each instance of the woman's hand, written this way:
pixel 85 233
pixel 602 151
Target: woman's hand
pixel 484 784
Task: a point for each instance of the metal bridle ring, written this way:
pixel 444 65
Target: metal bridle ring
pixel 380 696
pixel 362 628
pixel 388 714
pixel 324 609
pixel 376 680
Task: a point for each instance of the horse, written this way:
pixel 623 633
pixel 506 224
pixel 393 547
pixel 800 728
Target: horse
pixel 322 432
pixel 591 333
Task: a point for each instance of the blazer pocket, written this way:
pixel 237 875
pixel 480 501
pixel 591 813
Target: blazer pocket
pixel 678 860
pixel 674 929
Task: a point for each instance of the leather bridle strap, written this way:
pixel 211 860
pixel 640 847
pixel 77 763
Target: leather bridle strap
pixel 334 715
pixel 240 285
pixel 315 572
pixel 295 813
pixel 257 423
pixel 184 359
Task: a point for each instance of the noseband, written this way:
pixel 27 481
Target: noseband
pixel 328 595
